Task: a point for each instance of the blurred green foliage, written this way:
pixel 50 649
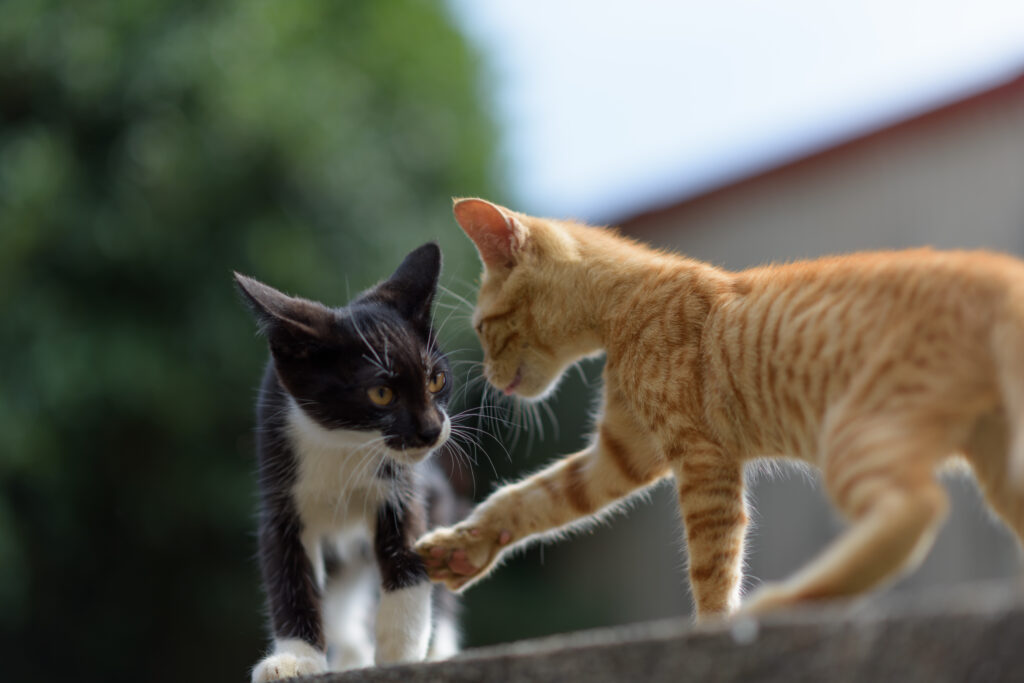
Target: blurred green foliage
pixel 146 150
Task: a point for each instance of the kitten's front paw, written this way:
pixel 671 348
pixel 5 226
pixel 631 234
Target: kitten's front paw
pixel 287 665
pixel 462 554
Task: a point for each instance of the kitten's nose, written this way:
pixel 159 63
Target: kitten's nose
pixel 428 434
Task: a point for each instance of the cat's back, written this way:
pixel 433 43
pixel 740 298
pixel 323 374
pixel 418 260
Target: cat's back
pixel 924 268
pixel 884 289
pixel 788 340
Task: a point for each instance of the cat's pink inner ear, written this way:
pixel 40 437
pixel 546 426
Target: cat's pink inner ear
pixel 496 235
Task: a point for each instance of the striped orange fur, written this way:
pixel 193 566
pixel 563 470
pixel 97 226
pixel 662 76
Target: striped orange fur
pixel 876 367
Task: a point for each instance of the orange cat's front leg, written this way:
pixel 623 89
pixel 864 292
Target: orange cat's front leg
pixel 714 513
pixel 573 488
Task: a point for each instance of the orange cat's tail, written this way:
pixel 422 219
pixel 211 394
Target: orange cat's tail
pixel 1008 348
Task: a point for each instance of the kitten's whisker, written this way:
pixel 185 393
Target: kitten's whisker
pixel 462 350
pixel 480 436
pixel 461 299
pixel 376 357
pixel 365 452
pixel 387 360
pixel 462 458
pixel 441 327
pixel 470 440
pixel 481 450
pixel 370 451
pixel 480 410
pixel 494 418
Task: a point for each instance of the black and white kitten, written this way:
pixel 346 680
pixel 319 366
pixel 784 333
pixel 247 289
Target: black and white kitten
pixel 352 403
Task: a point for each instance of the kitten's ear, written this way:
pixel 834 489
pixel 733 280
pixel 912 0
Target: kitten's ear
pixel 498 236
pixel 412 286
pixel 293 326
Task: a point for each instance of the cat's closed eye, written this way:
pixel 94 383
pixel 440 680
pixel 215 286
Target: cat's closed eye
pixel 381 395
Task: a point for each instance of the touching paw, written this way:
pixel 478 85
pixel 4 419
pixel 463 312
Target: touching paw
pixel 287 665
pixel 462 554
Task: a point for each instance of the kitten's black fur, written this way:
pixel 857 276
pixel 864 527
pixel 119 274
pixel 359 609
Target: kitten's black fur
pixel 315 419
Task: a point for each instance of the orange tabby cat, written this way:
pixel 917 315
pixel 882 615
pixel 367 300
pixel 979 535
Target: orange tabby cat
pixel 876 367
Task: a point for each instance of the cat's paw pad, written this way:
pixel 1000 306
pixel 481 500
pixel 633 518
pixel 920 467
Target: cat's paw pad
pixel 287 665
pixel 461 554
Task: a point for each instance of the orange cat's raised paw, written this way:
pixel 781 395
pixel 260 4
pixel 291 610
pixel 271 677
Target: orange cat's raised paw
pixel 462 554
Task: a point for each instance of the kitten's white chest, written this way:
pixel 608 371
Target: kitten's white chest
pixel 336 482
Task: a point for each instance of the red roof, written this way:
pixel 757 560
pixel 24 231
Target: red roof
pixel 1005 93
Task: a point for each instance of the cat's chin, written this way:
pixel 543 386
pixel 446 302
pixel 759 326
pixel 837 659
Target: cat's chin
pixel 411 456
pixel 533 391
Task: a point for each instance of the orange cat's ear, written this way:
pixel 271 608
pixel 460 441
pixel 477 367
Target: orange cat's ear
pixel 498 236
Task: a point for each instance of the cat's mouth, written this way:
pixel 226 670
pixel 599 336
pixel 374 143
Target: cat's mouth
pixel 411 454
pixel 515 382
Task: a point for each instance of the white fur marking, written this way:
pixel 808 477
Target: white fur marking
pixel 336 484
pixel 291 657
pixel 403 624
pixel 348 601
pixel 445 641
pixel 446 431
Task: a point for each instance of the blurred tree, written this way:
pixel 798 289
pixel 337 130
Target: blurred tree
pixel 146 150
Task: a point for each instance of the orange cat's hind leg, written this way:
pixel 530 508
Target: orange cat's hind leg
pixel 882 478
pixel 988 451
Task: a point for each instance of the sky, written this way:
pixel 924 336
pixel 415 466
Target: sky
pixel 608 108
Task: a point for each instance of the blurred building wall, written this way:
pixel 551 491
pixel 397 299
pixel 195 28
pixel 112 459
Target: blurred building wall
pixel 950 177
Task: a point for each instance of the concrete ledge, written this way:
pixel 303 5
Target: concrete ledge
pixel 970 633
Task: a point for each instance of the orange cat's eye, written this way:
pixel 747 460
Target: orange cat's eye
pixel 381 396
pixel 436 382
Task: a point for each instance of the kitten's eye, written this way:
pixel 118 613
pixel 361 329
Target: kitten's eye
pixel 436 382
pixel 381 396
